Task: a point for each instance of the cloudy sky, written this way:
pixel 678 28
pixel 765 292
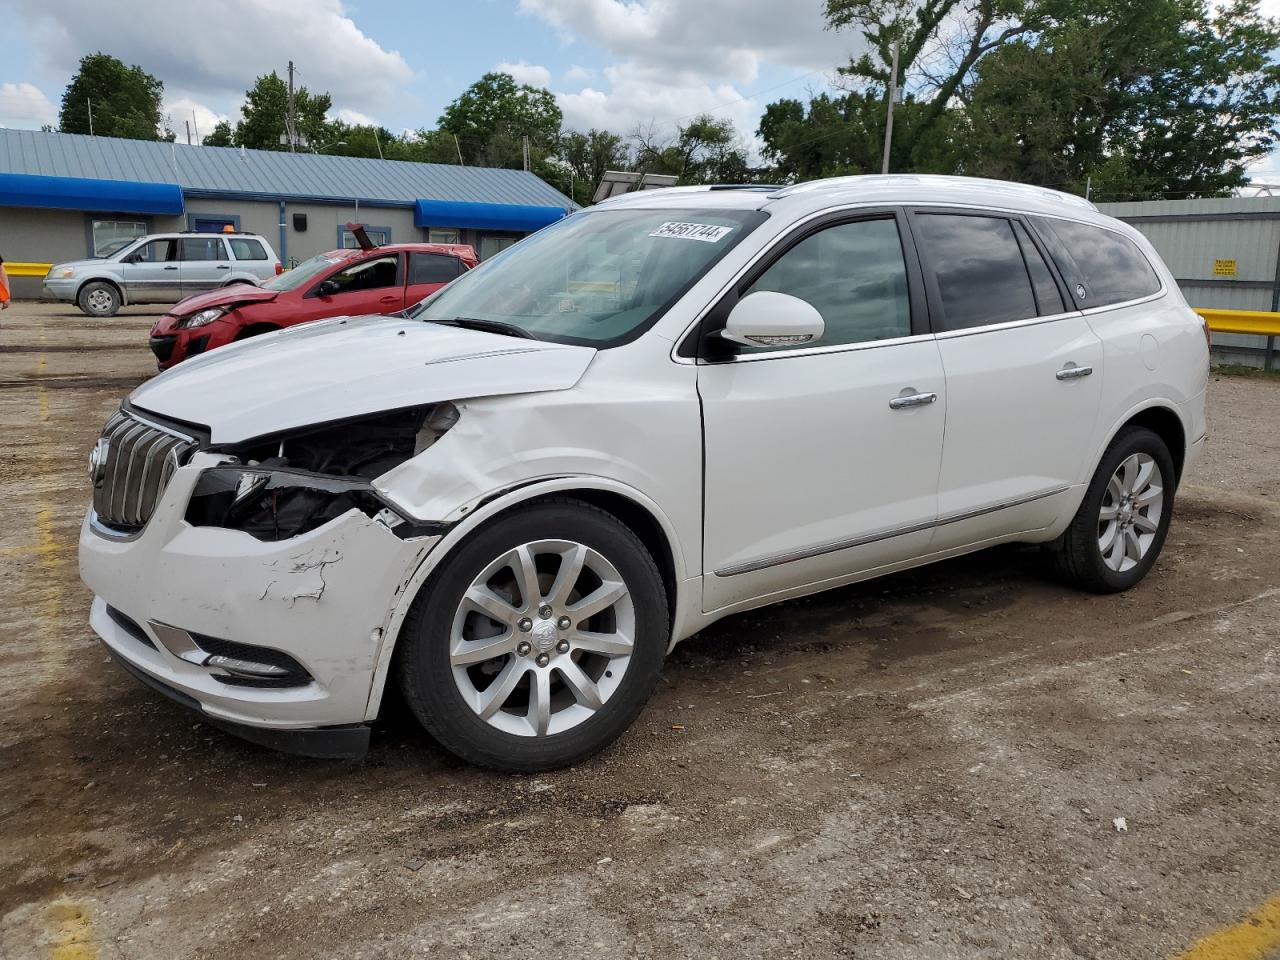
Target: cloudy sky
pixel 611 63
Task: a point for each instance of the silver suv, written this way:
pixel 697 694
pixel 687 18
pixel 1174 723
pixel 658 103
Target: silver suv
pixel 162 268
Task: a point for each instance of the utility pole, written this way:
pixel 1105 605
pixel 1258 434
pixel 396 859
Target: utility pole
pixel 89 100
pixel 893 97
pixel 525 141
pixel 457 146
pixel 378 143
pixel 195 125
pixel 290 121
pixel 1088 187
pixel 188 124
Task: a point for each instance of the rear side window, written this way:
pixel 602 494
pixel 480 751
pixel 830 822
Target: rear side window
pixel 978 267
pixel 203 248
pixel 243 248
pixel 1108 267
pixel 433 268
pixel 853 274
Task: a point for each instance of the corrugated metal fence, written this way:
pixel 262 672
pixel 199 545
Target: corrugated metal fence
pixel 1224 253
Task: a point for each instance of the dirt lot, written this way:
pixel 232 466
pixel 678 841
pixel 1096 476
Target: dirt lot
pixel 927 766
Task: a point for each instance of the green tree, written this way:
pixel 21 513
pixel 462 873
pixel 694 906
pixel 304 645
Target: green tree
pixel 125 101
pixel 706 150
pixel 264 110
pixel 220 136
pixel 1142 99
pixel 587 156
pixel 493 115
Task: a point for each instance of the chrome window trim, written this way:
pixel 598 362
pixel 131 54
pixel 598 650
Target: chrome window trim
pixel 819 351
pixel 834 546
pixel 1093 311
pixel 1006 325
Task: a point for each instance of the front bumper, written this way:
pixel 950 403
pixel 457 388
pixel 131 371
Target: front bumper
pixel 172 344
pixel 324 598
pixel 55 289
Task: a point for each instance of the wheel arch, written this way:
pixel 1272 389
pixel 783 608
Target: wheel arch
pixel 256 328
pixel 1161 418
pixel 638 512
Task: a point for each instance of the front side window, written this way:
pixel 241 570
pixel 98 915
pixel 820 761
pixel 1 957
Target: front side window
pixel 302 274
pixel 246 248
pixel 1109 265
pixel 599 277
pixel 853 274
pixel 111 236
pixel 978 267
pixel 157 251
pixel 371 274
pixel 203 248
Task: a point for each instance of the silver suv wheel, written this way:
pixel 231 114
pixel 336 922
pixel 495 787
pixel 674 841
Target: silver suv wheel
pixel 1130 514
pixel 542 638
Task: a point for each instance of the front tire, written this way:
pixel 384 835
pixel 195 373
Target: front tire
pixel 99 299
pixel 538 641
pixel 1120 528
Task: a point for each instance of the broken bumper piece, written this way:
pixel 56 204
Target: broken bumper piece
pixel 283 639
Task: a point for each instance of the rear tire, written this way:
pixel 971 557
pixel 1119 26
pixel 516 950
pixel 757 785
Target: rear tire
pixel 1120 528
pixel 99 299
pixel 571 660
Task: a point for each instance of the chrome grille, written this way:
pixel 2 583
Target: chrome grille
pixel 139 460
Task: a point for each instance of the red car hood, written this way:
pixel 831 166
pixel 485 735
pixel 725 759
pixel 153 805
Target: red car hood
pixel 225 297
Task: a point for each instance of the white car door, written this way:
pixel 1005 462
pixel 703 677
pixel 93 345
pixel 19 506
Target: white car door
pixel 822 461
pixel 1023 372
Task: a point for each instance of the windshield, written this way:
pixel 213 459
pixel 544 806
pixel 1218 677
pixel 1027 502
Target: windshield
pixel 114 246
pixel 597 278
pixel 300 275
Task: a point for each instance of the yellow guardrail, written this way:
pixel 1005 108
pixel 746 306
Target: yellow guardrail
pixel 1260 322
pixel 26 269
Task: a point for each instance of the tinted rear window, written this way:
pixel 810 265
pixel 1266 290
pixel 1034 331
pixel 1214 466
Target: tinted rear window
pixel 981 276
pixel 433 268
pixel 1108 264
pixel 246 249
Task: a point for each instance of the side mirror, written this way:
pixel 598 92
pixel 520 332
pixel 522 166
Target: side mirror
pixel 768 319
pixel 328 288
pixel 133 258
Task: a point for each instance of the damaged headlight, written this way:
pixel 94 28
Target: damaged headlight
pixel 203 318
pixel 288 484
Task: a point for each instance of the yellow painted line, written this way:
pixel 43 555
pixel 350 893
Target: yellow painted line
pixel 1251 939
pixel 26 269
pixel 73 932
pixel 1261 322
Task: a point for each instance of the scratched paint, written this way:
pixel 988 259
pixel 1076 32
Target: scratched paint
pixel 1253 938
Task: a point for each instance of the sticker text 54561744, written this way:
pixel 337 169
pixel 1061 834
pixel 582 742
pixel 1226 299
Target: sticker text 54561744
pixel 706 232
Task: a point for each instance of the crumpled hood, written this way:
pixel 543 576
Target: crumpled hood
pixel 222 297
pixel 348 367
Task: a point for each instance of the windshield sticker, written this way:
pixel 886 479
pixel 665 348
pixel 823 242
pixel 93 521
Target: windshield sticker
pixel 706 232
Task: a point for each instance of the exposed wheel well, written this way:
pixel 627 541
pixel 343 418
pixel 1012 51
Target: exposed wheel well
pixel 640 521
pixel 256 328
pixel 1168 426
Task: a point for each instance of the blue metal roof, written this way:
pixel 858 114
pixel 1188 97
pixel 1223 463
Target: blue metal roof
pixel 484 216
pixel 78 193
pixel 267 174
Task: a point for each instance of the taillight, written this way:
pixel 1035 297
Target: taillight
pixel 279 268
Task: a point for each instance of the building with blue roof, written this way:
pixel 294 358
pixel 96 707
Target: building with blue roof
pixel 66 196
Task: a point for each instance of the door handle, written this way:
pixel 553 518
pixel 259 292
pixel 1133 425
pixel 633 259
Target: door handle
pixel 1072 372
pixel 912 400
pixel 171 268
pixel 224 267
pixel 389 300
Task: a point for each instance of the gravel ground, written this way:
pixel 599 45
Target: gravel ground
pixel 927 766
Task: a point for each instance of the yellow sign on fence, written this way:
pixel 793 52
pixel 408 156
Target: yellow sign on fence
pixel 1224 268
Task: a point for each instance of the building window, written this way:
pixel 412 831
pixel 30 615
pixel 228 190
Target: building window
pixel 443 235
pixel 108 236
pixel 212 222
pixel 379 235
pixel 489 246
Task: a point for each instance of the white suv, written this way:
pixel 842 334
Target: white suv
pixel 512 500
pixel 161 268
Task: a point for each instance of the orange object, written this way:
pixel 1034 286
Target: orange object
pixel 228 228
pixel 4 285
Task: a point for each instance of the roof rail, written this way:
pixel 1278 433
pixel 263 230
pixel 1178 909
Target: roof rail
pixel 974 183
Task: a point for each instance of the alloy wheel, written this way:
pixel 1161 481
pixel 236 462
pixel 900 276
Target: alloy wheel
pixel 1130 515
pixel 542 638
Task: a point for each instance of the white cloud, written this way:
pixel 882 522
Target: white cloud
pixel 213 52
pixel 677 58
pixel 530 73
pixel 184 110
pixel 25 106
pixel 355 118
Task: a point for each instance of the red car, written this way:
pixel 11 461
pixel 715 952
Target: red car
pixel 334 284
